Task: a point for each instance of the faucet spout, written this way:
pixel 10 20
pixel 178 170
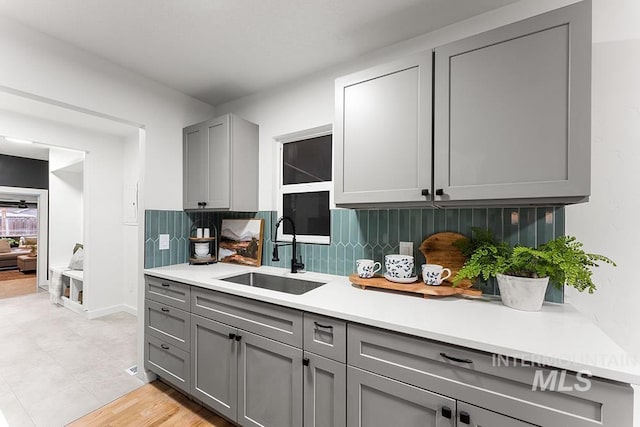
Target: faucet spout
pixel 295 264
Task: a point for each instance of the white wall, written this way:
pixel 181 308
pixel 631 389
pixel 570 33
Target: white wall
pixel 608 224
pixel 102 228
pixel 66 206
pixel 41 65
pixel 130 260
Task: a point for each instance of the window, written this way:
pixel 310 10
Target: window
pixel 306 187
pixel 18 222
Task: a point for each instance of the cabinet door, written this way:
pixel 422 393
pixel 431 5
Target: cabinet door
pixel 374 400
pixel 219 160
pixel 382 133
pixel 214 371
pixel 269 383
pixel 195 155
pixel 512 111
pixel 473 416
pixel 325 392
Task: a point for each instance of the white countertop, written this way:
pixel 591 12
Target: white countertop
pixel 557 335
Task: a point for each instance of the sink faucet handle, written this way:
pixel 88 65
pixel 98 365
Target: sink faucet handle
pixel 275 257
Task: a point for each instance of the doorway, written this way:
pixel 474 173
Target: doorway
pixel 23 227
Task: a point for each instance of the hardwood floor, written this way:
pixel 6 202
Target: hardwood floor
pixel 154 404
pixel 14 283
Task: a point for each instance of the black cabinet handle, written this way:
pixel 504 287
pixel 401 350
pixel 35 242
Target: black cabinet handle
pixel 305 361
pixel 439 192
pixel 320 325
pixel 465 418
pixel 425 192
pixel 456 359
pixel 164 346
pixel 446 412
pixel 165 309
pixel 238 337
pixel 232 336
pixel 166 285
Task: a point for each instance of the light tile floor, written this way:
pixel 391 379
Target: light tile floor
pixel 56 366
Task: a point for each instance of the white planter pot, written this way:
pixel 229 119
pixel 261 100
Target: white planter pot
pixel 522 293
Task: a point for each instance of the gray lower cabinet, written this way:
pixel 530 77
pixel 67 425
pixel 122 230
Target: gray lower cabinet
pixel 214 371
pixel 377 401
pixel 269 382
pixel 469 415
pixel 169 362
pixel 325 389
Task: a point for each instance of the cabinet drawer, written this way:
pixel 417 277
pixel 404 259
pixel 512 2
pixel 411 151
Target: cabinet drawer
pixel 167 292
pixel 325 336
pixel 490 381
pixel 271 321
pixel 167 361
pixel 170 324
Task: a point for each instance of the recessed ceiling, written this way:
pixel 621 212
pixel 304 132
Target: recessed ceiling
pixel 218 50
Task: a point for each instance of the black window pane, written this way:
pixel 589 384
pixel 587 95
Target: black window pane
pixel 309 211
pixel 308 160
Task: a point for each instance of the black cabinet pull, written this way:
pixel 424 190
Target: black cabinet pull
pixel 305 361
pixel 164 346
pixel 456 359
pixel 465 418
pixel 165 309
pixel 439 192
pixel 320 325
pixel 166 285
pixel 446 412
pixel 232 336
pixel 238 337
pixel 425 192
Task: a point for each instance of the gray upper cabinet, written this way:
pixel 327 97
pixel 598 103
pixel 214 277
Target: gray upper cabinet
pixel 382 133
pixel 220 165
pixel 512 111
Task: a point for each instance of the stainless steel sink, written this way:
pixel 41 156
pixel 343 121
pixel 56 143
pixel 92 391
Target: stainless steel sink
pixel 275 283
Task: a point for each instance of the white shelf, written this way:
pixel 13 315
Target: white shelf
pixel 75 166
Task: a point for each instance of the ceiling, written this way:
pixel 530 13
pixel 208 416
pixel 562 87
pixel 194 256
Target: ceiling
pixel 219 50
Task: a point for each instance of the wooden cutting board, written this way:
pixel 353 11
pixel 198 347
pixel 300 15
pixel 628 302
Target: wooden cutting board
pixel 439 249
pixel 416 288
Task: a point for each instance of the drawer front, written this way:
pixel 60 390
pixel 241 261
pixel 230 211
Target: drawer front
pixel 271 321
pixel 325 336
pixel 169 362
pixel 487 380
pixel 169 324
pixel 168 292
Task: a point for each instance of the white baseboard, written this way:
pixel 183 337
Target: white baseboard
pixel 130 309
pixel 94 314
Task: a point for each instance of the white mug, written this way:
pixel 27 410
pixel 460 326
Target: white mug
pixel 399 266
pixel 433 274
pixel 367 268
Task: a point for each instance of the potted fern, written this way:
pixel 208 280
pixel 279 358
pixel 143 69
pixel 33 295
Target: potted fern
pixel 523 273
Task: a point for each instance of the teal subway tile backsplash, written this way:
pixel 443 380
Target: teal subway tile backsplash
pixel 371 233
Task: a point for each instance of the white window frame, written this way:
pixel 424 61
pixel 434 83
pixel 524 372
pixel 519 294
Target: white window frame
pixel 310 187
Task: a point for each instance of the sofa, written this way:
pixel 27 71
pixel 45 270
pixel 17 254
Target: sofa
pixel 9 256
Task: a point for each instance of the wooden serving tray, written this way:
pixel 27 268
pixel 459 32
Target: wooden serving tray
pixel 416 288
pixel 439 249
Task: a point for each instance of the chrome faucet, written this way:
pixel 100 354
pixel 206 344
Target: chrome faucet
pixel 295 264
